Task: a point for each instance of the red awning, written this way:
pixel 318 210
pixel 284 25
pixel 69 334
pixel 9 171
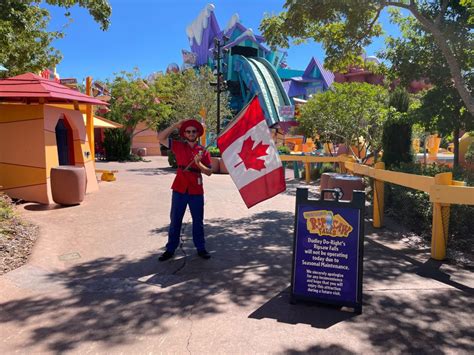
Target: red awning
pixel 33 88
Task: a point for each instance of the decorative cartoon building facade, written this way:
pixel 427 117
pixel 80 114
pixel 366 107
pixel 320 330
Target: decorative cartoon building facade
pixel 39 132
pixel 248 66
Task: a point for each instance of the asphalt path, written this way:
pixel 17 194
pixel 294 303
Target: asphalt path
pixel 93 283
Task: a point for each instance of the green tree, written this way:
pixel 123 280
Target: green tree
pixel 348 113
pixel 25 42
pixel 416 55
pixel 134 101
pixel 199 96
pixel 345 27
pixel 442 111
pixel 168 88
pixel 397 131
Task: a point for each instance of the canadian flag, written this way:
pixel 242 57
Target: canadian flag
pixel 251 157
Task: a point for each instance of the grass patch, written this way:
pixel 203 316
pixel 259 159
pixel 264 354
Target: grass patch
pixel 6 208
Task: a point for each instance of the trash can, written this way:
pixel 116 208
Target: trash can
pixel 325 177
pixel 68 184
pixel 347 184
pixel 324 183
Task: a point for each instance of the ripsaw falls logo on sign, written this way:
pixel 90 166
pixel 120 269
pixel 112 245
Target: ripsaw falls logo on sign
pixel 324 223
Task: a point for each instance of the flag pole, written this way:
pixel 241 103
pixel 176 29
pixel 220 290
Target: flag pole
pixel 230 124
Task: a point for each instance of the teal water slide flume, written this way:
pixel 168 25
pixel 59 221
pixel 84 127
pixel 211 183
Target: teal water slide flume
pixel 260 78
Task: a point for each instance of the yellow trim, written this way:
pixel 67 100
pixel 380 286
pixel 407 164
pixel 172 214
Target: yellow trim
pixel 16 113
pixel 100 122
pixel 15 176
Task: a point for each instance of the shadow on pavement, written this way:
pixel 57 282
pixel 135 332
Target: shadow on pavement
pixel 153 171
pixel 318 316
pixel 114 300
pixel 40 207
pixel 328 350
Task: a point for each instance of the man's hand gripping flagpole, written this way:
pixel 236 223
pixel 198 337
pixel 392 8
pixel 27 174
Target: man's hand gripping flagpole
pixel 200 154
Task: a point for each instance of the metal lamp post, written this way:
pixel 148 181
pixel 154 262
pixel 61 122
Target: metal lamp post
pixel 220 84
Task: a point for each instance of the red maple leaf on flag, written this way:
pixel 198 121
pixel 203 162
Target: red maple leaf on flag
pixel 250 155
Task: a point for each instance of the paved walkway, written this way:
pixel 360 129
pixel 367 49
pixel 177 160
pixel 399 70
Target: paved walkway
pixel 93 283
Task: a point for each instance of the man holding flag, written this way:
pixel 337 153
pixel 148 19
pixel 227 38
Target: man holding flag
pixel 187 187
pixel 249 154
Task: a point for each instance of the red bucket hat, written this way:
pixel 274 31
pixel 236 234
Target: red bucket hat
pixel 191 123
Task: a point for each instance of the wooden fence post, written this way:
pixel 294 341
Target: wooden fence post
pixel 440 228
pixel 296 169
pixel 342 167
pixel 90 121
pixel 378 204
pixel 307 169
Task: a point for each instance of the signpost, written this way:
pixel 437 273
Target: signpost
pixel 69 82
pixel 328 250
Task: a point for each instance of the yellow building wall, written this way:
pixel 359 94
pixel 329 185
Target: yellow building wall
pixel 28 150
pixel 146 139
pixel 23 172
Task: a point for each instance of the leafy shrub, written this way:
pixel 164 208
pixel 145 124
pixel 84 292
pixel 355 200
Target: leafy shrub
pixel 396 140
pixel 321 169
pixel 399 99
pixel 214 151
pixel 283 150
pixel 172 159
pixel 6 209
pixel 413 209
pixel 135 157
pixel 469 156
pixel 117 144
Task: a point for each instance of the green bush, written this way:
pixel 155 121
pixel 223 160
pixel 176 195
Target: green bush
pixel 117 144
pixel 413 208
pixel 324 168
pixel 396 142
pixel 283 150
pixel 399 99
pixel 397 132
pixel 214 151
pixel 469 156
pixel 172 159
pixel 6 208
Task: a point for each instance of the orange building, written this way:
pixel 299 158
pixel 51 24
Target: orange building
pixel 145 140
pixel 37 133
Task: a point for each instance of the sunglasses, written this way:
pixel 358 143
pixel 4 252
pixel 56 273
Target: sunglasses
pixel 190 131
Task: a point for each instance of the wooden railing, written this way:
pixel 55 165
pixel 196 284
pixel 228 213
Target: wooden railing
pixel 442 189
pixel 310 159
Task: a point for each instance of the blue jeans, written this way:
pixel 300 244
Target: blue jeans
pixel 179 202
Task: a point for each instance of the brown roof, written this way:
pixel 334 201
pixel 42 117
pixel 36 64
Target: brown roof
pixel 31 88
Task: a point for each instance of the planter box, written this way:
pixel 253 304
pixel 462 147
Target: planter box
pixel 215 162
pixel 222 167
pixel 218 166
pixel 68 184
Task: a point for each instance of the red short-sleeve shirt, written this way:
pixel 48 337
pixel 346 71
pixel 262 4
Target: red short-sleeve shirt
pixel 189 181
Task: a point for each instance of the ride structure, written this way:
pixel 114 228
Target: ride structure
pixel 247 65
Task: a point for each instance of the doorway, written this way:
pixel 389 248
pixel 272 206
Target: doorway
pixel 64 142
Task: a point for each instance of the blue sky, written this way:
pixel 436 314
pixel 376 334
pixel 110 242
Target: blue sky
pixel 149 34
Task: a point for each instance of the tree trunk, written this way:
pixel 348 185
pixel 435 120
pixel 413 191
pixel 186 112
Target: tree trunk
pixel 450 57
